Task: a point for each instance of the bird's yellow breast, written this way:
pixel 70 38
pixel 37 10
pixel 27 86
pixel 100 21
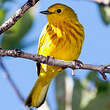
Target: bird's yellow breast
pixel 61 42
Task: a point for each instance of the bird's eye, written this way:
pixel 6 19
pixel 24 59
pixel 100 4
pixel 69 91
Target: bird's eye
pixel 59 10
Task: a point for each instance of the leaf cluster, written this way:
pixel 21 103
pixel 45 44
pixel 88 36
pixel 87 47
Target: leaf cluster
pixel 90 94
pixel 105 13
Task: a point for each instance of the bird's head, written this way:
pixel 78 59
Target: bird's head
pixel 59 12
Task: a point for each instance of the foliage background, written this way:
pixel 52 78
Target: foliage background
pixel 25 35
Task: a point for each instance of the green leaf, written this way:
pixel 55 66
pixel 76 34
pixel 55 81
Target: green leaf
pixel 12 38
pixel 101 102
pixel 92 75
pixel 76 98
pixel 2 1
pixel 105 13
pixel 102 86
pixel 2 15
pixel 60 91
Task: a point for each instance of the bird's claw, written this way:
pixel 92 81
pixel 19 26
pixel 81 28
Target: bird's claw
pixel 102 70
pixel 103 75
pixel 78 64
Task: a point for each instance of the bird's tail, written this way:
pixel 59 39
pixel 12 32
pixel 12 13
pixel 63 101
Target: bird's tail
pixel 38 94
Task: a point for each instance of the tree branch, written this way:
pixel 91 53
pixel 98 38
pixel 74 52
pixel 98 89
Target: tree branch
pixel 102 2
pixel 18 14
pixel 102 69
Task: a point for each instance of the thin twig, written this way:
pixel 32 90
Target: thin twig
pixel 12 83
pixel 102 2
pixel 18 14
pixel 6 72
pixel 102 69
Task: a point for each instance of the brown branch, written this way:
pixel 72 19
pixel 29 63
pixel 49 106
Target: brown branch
pixel 102 2
pixel 12 83
pixel 102 69
pixel 18 14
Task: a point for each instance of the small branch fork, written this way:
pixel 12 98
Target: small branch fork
pixel 102 69
pixel 18 14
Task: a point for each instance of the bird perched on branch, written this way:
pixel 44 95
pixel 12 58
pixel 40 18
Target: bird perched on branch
pixel 61 38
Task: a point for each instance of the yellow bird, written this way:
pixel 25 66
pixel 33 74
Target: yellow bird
pixel 61 38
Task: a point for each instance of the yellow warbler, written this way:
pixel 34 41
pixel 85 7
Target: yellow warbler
pixel 61 38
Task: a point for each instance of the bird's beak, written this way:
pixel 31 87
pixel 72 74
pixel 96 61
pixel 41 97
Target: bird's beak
pixel 46 12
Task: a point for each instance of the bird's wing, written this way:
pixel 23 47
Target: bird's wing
pixel 42 38
pixel 41 41
pixel 38 68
